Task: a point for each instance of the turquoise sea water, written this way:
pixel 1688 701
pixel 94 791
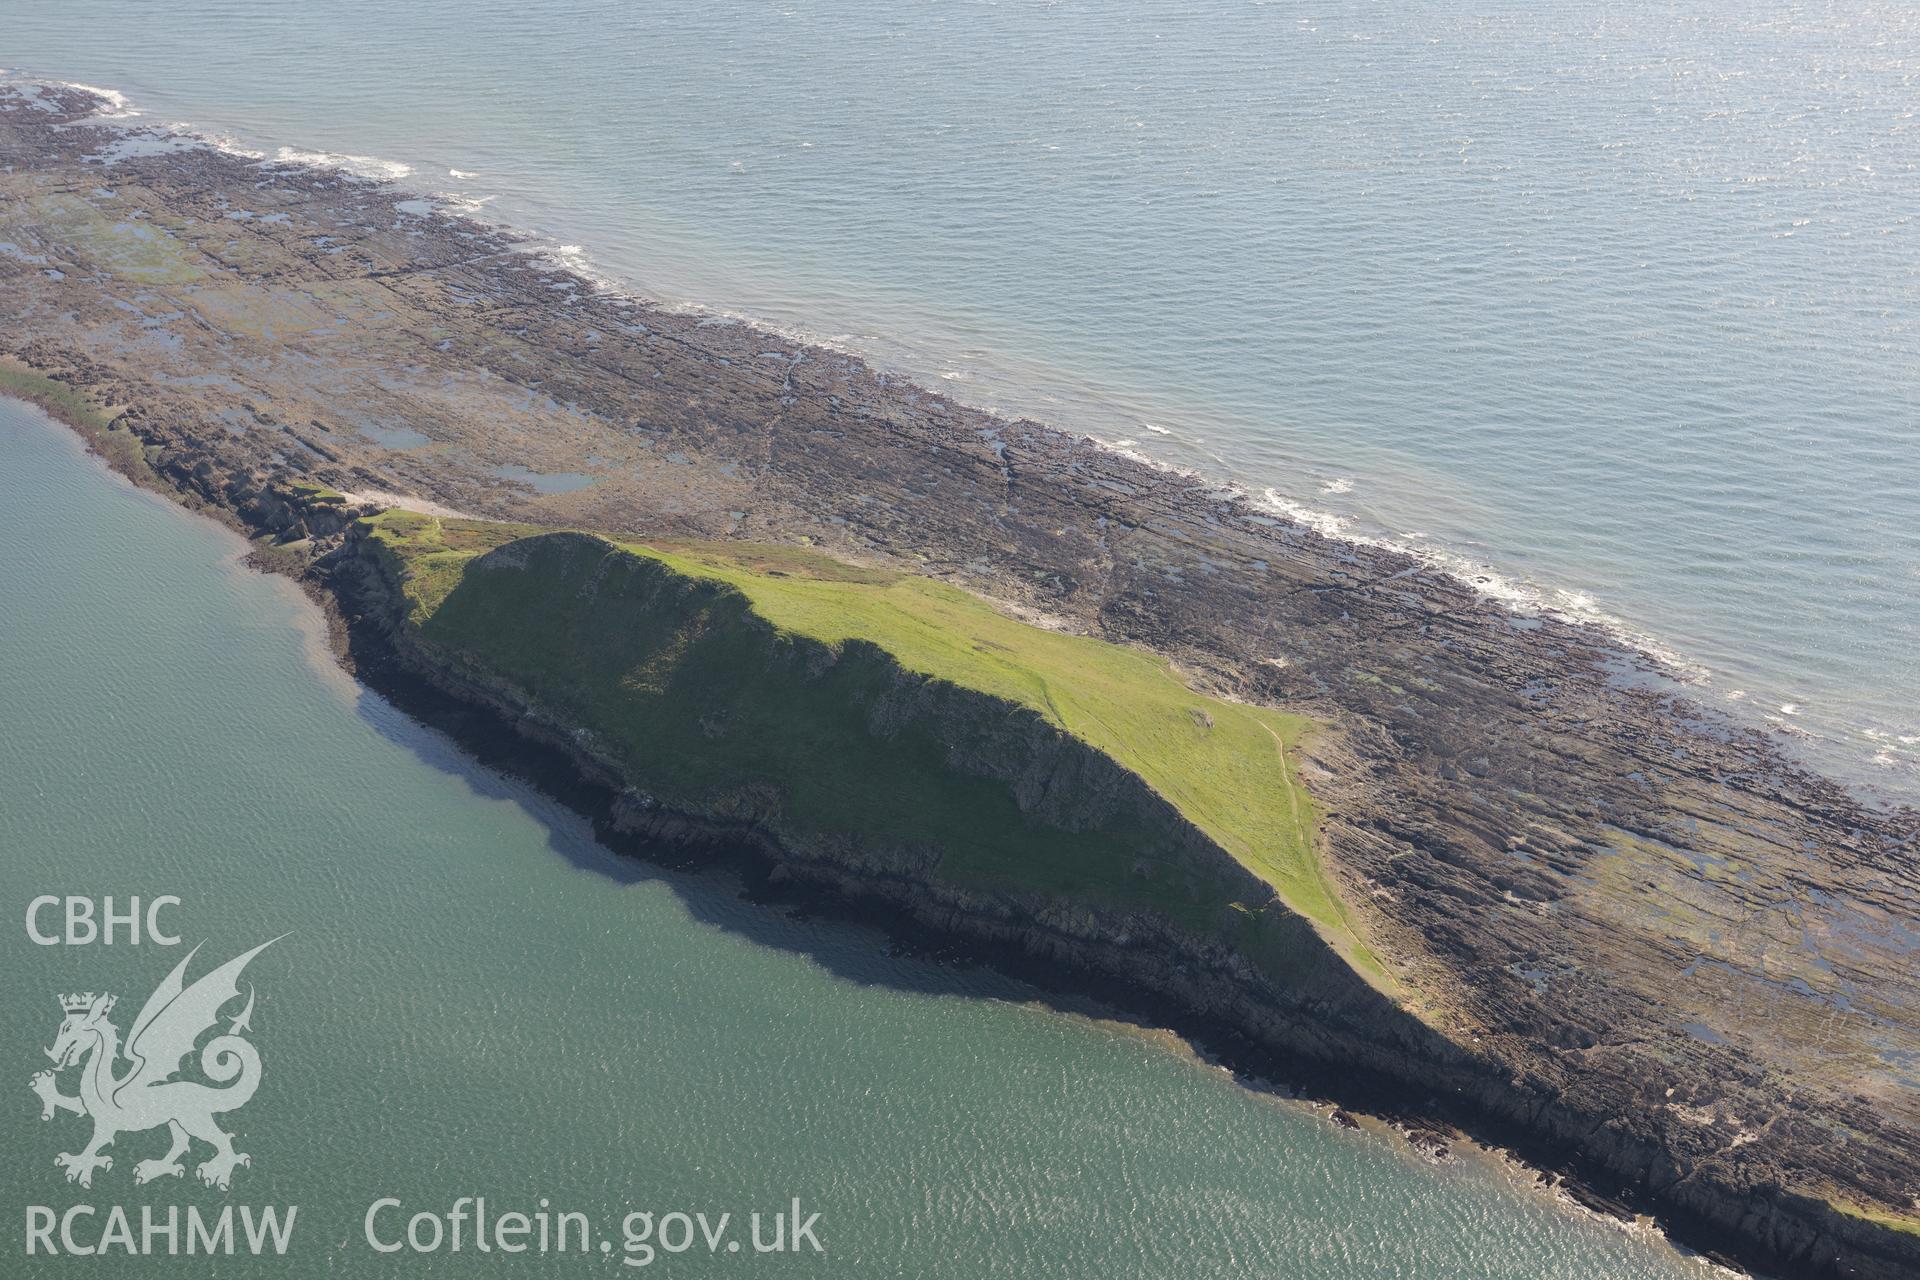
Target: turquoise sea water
pixel 1615 304
pixel 474 999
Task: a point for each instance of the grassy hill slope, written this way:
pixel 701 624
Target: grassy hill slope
pixel 764 682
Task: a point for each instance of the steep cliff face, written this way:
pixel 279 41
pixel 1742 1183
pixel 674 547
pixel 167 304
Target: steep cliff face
pixel 974 818
pixel 838 755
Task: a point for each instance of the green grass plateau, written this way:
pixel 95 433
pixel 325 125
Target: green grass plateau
pixel 660 658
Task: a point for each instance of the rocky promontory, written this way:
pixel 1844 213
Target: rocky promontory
pixel 1616 922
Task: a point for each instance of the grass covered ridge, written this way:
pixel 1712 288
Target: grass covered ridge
pixel 1909 1223
pixel 677 688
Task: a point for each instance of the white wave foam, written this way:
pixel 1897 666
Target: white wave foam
pixel 1894 748
pixel 1783 725
pixel 192 135
pixel 572 258
pixel 134 141
pixel 366 168
pixel 1339 484
pixel 464 204
pixel 1524 598
pixel 224 142
pixel 117 108
pixel 461 173
pixel 1127 449
pixel 1323 522
pixel 36 94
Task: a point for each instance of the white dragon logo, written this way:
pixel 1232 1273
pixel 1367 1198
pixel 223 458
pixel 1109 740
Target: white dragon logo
pixel 146 1096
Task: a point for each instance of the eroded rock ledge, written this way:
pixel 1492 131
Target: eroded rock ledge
pixel 1663 948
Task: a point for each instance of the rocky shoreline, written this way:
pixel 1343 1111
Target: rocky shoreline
pixel 1150 982
pixel 1647 945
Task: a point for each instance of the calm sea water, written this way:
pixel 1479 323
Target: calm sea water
pixel 1616 304
pixel 476 999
